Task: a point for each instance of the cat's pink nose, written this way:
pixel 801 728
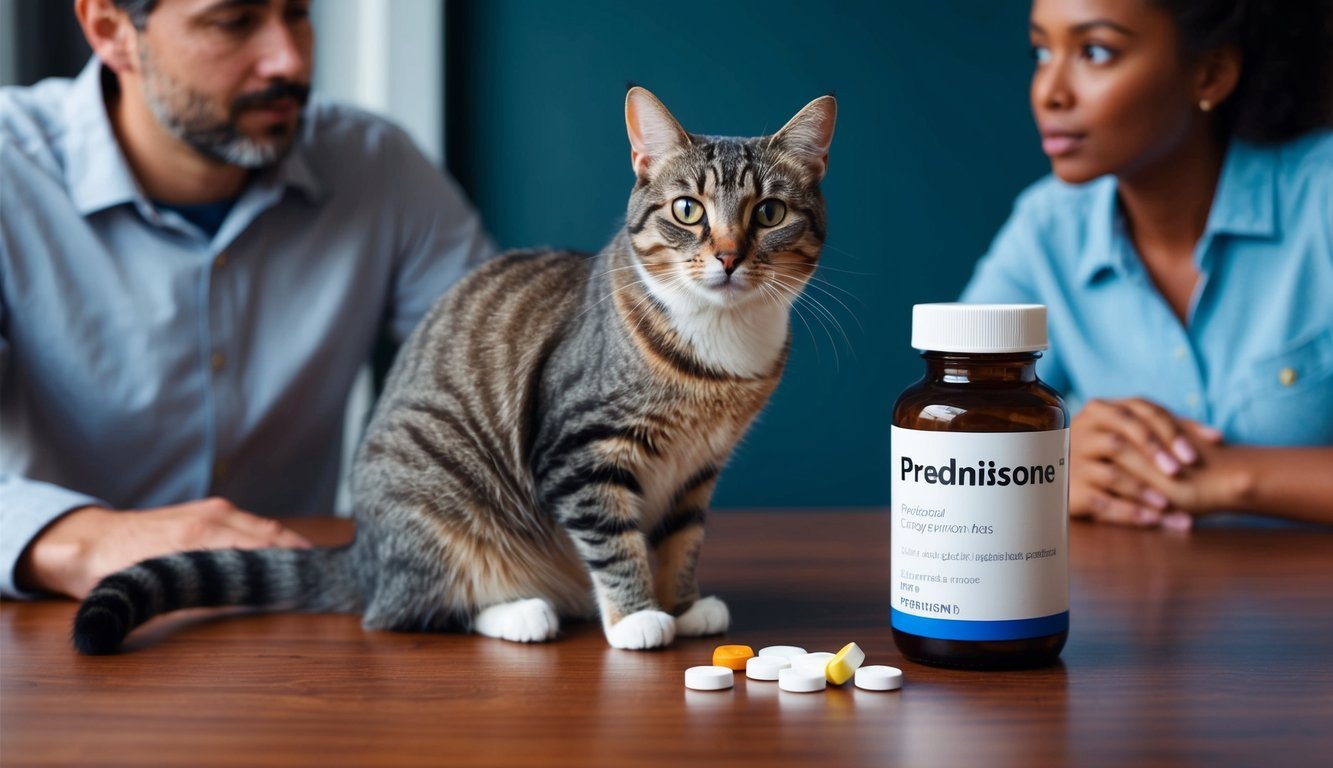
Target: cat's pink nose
pixel 729 260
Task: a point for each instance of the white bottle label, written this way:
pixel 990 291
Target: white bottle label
pixel 980 534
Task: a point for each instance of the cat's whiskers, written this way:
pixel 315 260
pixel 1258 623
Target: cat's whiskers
pixel 679 281
pixel 609 270
pixel 632 312
pixel 675 280
pixel 819 284
pixel 616 290
pixel 814 340
pixel 777 296
pixel 823 315
pixel 800 311
pixel 785 295
pixel 789 296
pixel 844 252
pixel 824 281
pixel 627 286
pixel 782 295
pixel 823 312
pixel 610 295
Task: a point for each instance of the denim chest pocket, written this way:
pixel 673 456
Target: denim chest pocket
pixel 1287 398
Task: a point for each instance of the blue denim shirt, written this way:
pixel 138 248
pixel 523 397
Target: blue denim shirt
pixel 1255 357
pixel 144 362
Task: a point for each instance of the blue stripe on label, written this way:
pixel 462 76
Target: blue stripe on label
pixel 953 629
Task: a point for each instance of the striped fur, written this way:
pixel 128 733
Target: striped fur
pixel 558 421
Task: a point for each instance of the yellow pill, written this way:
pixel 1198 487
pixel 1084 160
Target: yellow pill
pixel 732 656
pixel 844 664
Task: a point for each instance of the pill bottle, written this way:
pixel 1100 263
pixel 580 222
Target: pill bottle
pixel 980 494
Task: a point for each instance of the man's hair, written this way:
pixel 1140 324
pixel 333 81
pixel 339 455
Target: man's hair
pixel 137 10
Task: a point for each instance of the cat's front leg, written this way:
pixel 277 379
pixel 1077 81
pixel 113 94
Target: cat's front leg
pixel 677 540
pixel 600 511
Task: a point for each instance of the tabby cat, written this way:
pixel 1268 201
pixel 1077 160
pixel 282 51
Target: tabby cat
pixel 557 421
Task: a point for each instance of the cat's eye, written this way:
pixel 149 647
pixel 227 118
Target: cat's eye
pixel 687 210
pixel 770 212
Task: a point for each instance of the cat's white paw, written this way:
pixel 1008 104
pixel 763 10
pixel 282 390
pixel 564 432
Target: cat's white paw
pixel 708 616
pixel 643 630
pixel 522 621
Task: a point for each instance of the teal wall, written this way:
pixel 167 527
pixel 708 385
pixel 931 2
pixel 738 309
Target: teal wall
pixel 934 139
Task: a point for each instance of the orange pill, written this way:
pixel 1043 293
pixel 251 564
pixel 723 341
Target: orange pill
pixel 732 656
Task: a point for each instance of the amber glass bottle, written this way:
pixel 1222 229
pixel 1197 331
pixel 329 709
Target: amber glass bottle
pixel 980 494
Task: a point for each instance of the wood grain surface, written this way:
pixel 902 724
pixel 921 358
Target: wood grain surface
pixel 1210 648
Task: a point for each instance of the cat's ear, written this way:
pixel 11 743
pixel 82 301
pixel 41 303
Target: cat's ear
pixel 809 134
pixel 653 132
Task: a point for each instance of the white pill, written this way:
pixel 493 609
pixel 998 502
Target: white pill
pixel 878 677
pixel 811 662
pixel 765 667
pixel 709 678
pixel 785 651
pixel 801 681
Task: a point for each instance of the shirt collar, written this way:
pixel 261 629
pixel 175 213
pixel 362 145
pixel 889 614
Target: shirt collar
pixel 1106 233
pixel 294 170
pixel 1245 202
pixel 97 174
pixel 1244 205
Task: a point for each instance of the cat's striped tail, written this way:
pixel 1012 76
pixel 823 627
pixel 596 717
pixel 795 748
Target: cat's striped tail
pixel 296 579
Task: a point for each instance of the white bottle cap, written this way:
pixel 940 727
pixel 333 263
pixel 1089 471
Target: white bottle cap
pixel 709 678
pixel 979 328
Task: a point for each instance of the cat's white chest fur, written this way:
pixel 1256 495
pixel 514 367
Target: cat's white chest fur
pixel 744 338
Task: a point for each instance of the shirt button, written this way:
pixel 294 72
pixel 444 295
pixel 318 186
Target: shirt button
pixel 220 261
pixel 1192 399
pixel 1287 376
pixel 1180 352
pixel 218 360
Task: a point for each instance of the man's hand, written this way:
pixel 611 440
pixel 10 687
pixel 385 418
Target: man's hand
pixel 1132 462
pixel 79 549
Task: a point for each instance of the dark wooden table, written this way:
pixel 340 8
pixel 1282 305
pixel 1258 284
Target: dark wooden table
pixel 1210 648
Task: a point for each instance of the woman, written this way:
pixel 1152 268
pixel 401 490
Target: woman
pixel 1184 249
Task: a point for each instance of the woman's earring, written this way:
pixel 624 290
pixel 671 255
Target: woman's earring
pixel 1206 105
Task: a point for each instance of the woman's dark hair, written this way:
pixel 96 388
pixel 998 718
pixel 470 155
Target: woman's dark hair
pixel 1286 80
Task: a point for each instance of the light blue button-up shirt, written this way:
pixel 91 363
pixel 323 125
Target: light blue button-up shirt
pixel 1255 358
pixel 145 363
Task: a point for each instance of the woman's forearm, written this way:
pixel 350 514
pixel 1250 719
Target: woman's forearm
pixel 1295 483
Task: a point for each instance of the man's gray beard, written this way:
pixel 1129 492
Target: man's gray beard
pixel 216 139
